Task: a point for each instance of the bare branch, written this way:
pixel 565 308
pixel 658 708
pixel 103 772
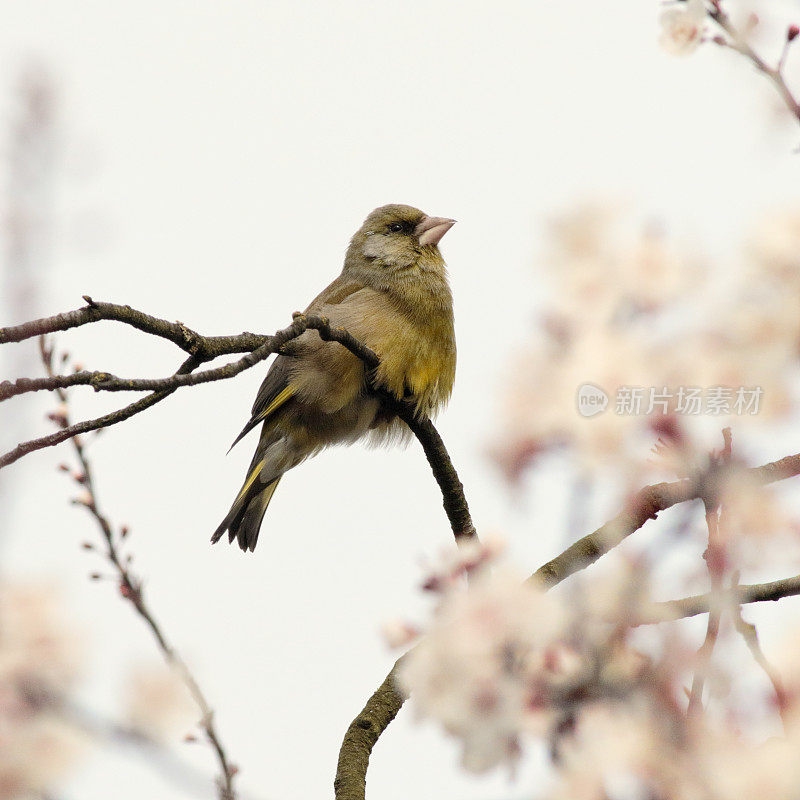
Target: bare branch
pixel 453 498
pixel 646 504
pixel 205 348
pixel 130 587
pixel 366 729
pixel 93 424
pixel 738 42
pixel 175 332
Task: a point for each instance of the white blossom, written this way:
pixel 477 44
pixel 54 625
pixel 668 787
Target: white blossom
pixel 682 27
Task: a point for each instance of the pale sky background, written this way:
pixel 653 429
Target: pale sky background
pixel 213 160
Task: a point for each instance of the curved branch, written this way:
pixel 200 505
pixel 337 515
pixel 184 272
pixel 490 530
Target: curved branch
pixel 205 348
pixel 175 332
pixel 387 701
pixel 453 498
pixel 105 382
pixel 361 736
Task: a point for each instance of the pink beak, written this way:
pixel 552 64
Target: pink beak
pixel 431 229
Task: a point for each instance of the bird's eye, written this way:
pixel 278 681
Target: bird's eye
pixel 396 227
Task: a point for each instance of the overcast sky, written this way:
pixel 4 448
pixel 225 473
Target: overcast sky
pixel 213 160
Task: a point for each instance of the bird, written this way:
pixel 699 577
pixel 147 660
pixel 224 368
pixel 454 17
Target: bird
pixel 393 294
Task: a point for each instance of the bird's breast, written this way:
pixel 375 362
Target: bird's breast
pixel 418 359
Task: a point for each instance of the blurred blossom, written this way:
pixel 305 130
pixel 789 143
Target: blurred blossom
pixel 158 703
pixel 502 659
pixel 502 662
pixel 682 27
pixel 474 671
pixel 39 665
pixel 629 312
pixel 774 248
pixel 636 750
pixel 751 510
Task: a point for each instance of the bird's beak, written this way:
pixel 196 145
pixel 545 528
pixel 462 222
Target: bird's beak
pixel 431 229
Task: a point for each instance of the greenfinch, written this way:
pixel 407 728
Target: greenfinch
pixel 394 296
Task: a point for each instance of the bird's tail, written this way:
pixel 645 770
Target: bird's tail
pixel 243 521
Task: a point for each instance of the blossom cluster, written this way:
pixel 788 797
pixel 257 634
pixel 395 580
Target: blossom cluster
pixel 39 665
pixel 629 308
pixel 502 663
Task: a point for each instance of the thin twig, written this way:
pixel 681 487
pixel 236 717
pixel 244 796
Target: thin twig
pixel 739 43
pixel 104 421
pixel 715 557
pixel 131 589
pixel 714 561
pixel 749 633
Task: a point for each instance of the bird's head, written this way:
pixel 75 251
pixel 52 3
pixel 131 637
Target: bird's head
pixel 395 239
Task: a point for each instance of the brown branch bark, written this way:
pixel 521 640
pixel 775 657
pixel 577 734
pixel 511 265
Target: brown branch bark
pixel 202 349
pixel 453 498
pixel 382 707
pixel 207 347
pixel 361 736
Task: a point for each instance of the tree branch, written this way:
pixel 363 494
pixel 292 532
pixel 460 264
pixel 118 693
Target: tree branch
pixel 205 348
pixel 701 603
pixel 453 498
pixel 176 332
pixel 646 504
pixel 387 700
pixel 131 589
pixel 383 706
pixel 361 736
pixel 738 43
pixel 104 421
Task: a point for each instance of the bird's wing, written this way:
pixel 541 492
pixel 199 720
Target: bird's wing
pixel 277 388
pixel 275 391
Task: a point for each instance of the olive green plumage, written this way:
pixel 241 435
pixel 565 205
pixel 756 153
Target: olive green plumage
pixel 393 295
